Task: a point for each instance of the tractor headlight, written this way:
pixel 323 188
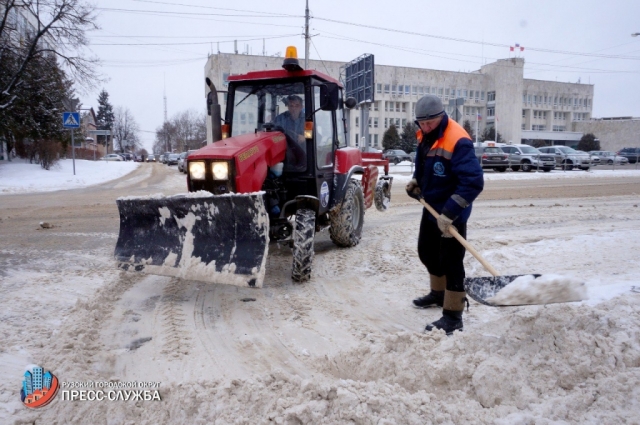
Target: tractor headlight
pixel 220 170
pixel 196 170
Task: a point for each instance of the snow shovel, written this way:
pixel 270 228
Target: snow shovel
pixel 479 288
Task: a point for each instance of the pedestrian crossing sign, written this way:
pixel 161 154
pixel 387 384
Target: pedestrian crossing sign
pixel 71 119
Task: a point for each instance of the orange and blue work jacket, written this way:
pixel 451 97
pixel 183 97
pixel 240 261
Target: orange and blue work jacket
pixel 447 171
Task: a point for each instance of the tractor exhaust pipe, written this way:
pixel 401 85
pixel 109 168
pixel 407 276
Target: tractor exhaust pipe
pixel 213 109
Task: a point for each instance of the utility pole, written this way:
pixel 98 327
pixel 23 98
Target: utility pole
pixel 306 36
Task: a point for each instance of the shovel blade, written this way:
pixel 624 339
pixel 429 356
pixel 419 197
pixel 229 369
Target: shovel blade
pixel 482 288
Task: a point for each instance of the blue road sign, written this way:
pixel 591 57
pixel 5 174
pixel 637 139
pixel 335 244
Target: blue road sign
pixel 71 119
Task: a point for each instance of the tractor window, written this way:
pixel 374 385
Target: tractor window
pixel 323 124
pixel 260 103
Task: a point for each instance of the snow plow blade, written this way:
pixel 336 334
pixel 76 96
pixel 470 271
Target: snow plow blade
pixel 481 289
pixel 198 236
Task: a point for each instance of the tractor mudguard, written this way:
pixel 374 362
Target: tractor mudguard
pixel 197 236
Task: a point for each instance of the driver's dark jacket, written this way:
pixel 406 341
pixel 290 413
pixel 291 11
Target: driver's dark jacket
pixel 292 127
pixel 447 170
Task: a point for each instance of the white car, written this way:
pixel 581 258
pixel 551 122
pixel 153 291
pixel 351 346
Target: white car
pixel 112 157
pixel 608 157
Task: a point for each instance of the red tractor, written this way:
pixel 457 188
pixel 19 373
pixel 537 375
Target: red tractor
pixel 277 168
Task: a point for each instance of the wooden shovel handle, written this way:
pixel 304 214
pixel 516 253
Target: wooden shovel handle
pixel 462 241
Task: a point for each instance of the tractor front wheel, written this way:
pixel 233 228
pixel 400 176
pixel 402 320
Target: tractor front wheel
pixel 303 235
pixel 348 217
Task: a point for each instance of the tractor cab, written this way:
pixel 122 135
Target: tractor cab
pixel 306 108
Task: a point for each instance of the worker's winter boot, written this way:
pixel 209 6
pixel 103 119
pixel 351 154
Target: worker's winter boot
pixel 451 319
pixel 435 298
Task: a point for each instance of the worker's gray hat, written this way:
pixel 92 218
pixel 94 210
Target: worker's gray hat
pixel 428 107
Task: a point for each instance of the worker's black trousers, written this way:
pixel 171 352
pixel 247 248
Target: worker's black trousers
pixel 442 256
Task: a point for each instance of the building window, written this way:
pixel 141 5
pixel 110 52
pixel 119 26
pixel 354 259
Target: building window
pixel 404 122
pixel 491 96
pixel 491 112
pixel 375 106
pixel 397 106
pixel 357 121
pixel 375 122
pixel 404 107
pixel 386 88
pixel 393 89
pixel 481 95
pixel 378 88
pixel 523 113
pixel 559 128
pixel 357 143
pixel 414 90
pixel 370 123
pixel 397 122
pixel 400 89
pixel 407 89
pixel 375 140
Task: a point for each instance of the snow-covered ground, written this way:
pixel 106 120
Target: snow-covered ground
pixel 18 176
pixel 345 347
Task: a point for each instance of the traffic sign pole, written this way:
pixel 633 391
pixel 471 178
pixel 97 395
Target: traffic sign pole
pixel 71 120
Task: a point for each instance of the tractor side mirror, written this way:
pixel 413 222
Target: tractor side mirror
pixel 350 103
pixel 329 97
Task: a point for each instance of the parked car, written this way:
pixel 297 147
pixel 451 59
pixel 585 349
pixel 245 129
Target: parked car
pixel 595 159
pixel 161 159
pixel 492 157
pixel 112 157
pixel 396 156
pixel 151 158
pixel 172 159
pixel 528 158
pixel 182 161
pixel 127 156
pixel 567 158
pixel 632 154
pixel 608 157
pixel 165 157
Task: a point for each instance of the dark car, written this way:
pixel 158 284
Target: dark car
pixel 396 156
pixel 127 156
pixel 172 159
pixel 492 157
pixel 632 154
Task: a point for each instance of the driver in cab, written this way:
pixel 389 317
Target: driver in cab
pixel 292 123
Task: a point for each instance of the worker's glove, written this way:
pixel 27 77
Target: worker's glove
pixel 443 224
pixel 413 190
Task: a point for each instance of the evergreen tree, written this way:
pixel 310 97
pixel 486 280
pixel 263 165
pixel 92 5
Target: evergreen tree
pixel 468 129
pixel 489 134
pixel 391 139
pixel 408 140
pixel 588 142
pixel 105 116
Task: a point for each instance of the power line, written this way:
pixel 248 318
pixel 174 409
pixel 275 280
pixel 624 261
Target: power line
pixel 213 7
pixel 160 12
pixel 462 40
pixel 191 43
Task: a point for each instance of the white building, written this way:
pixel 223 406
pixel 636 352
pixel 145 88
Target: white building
pixel 496 94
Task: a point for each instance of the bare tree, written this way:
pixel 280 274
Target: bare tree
pixel 125 130
pixel 54 28
pixel 185 130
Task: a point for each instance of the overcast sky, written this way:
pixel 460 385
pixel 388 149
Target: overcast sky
pixel 149 48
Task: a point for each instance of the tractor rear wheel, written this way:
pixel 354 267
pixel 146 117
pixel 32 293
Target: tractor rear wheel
pixel 303 235
pixel 348 217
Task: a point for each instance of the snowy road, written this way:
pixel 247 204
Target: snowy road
pixel 345 347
